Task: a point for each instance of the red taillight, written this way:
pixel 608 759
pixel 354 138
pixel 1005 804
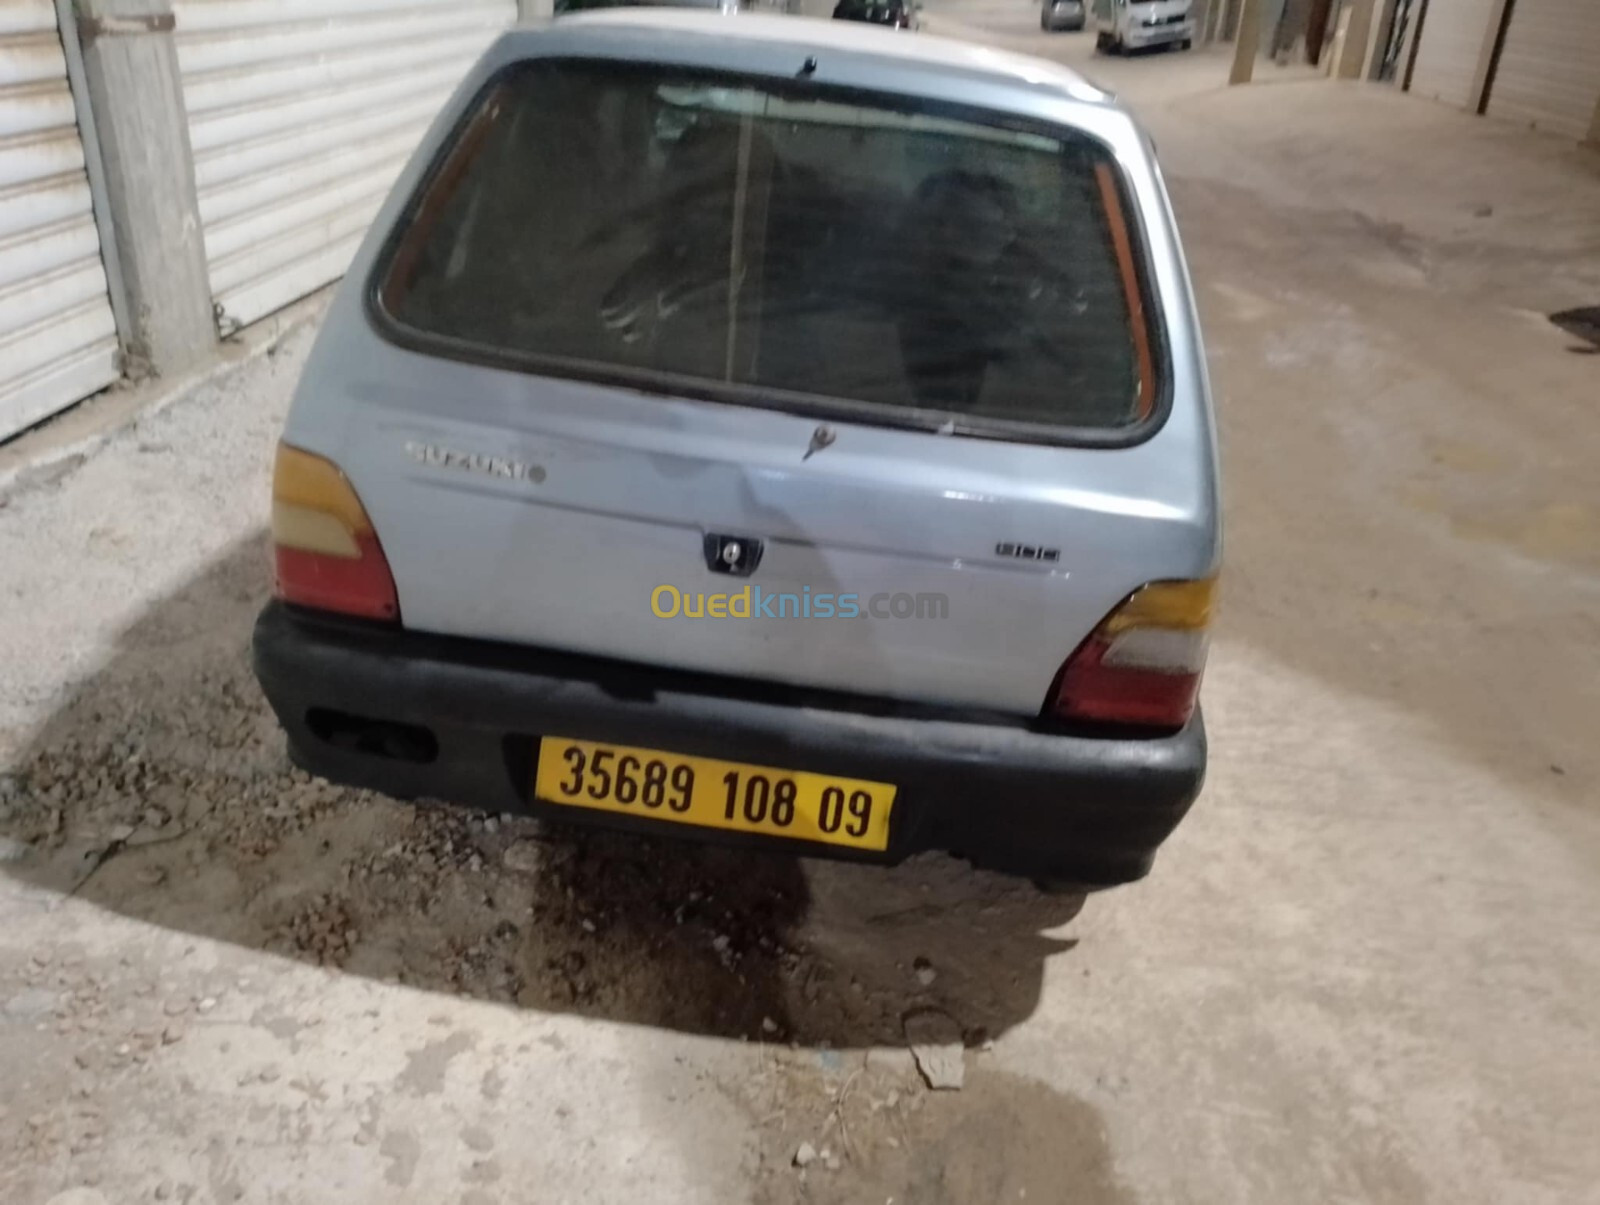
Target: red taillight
pixel 328 555
pixel 1142 665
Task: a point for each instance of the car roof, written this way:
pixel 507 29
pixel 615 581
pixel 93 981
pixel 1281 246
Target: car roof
pixel 856 38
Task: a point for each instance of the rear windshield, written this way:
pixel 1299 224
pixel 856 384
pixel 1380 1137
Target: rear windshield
pixel 778 244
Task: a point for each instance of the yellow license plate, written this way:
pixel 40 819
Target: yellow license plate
pixel 715 794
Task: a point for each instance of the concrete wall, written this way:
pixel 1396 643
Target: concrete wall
pixel 1353 51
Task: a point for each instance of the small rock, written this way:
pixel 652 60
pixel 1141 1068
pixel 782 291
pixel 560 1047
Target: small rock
pixel 169 1035
pixel 155 818
pixel 720 943
pixel 588 925
pixel 805 1155
pixel 269 1075
pixel 522 856
pixel 491 826
pixel 768 1025
pixel 893 1098
pixel 935 1041
pixel 175 1008
pixel 121 832
pixel 207 1004
pixel 830 1161
pixel 151 876
pixel 924 971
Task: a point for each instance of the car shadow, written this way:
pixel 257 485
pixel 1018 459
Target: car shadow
pixel 161 791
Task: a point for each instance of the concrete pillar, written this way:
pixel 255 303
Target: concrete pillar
pixel 1335 55
pixel 1247 45
pixel 130 69
pixel 1491 37
pixel 1353 54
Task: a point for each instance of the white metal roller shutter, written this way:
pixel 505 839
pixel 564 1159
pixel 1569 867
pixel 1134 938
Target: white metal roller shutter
pixel 301 113
pixel 58 340
pixel 1549 73
pixel 1454 34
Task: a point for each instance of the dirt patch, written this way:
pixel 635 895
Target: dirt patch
pixel 875 1135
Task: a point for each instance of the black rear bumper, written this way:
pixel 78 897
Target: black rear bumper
pixel 416 715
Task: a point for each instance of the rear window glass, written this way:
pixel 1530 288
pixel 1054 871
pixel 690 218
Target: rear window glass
pixel 769 242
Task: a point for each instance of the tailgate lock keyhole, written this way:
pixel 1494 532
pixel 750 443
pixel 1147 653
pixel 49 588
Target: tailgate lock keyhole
pixel 735 555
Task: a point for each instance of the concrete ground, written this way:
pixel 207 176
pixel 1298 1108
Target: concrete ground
pixel 1365 969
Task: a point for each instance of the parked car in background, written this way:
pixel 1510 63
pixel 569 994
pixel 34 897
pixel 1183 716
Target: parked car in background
pixel 1061 14
pixel 896 14
pixel 1124 25
pixel 564 7
pixel 762 430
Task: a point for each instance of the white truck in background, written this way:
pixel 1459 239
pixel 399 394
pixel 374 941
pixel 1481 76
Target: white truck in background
pixel 1124 25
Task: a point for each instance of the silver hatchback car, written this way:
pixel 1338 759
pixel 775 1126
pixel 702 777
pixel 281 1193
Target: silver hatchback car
pixel 778 431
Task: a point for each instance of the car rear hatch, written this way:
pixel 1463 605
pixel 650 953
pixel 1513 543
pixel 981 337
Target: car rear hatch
pixel 909 360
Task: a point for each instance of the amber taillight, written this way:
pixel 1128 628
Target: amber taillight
pixel 326 551
pixel 1142 664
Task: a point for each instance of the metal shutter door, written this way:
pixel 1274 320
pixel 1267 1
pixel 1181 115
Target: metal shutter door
pixel 301 113
pixel 1549 74
pixel 58 341
pixel 1453 37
